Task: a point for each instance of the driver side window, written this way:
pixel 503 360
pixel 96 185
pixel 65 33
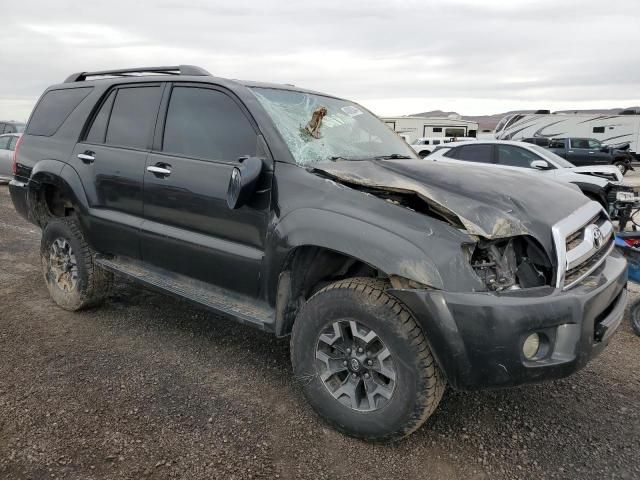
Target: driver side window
pixel 511 156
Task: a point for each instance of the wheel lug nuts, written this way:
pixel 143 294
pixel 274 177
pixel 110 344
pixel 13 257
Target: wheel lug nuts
pixel 366 375
pixel 344 363
pixel 353 375
pixel 348 350
pixel 369 362
pixel 360 350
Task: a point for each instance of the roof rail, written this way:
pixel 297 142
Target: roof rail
pixel 127 72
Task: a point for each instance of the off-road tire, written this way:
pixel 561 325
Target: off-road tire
pixel 93 283
pixel 420 383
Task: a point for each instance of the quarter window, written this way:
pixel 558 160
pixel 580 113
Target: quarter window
pixel 133 117
pixel 54 108
pixel 206 123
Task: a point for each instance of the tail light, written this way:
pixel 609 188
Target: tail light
pixel 14 165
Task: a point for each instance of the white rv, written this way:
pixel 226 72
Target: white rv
pixel 611 130
pixel 430 127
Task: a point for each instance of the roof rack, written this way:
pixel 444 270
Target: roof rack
pixel 128 72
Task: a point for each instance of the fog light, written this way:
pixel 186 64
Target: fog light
pixel 531 346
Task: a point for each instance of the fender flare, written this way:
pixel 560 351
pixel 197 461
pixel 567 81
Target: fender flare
pixel 369 243
pixel 61 175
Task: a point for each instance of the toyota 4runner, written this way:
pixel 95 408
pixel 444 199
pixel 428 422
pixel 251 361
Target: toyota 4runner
pixel 302 214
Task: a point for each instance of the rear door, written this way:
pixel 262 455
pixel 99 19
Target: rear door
pixel 189 229
pixel 111 160
pixel 578 151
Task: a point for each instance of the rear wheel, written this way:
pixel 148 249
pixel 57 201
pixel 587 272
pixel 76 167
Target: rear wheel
pixel 424 153
pixel 363 361
pixel 73 280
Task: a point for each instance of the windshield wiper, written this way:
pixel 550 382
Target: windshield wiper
pixel 393 156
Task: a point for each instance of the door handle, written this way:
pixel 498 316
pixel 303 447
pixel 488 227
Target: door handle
pixel 159 170
pixel 87 157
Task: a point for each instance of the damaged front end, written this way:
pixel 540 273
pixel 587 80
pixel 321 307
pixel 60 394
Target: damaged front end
pixel 510 264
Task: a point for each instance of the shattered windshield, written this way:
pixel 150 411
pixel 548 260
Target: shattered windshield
pixel 318 128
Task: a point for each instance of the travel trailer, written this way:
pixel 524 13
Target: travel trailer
pixel 611 130
pixel 439 127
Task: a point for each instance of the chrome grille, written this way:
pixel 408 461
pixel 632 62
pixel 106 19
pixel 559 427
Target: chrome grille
pixel 583 240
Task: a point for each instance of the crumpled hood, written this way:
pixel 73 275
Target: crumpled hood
pixel 489 203
pixel 602 169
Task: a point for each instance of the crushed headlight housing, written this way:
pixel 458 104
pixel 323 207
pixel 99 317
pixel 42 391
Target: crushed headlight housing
pixel 511 263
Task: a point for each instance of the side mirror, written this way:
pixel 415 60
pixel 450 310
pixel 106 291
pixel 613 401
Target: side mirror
pixel 243 181
pixel 540 165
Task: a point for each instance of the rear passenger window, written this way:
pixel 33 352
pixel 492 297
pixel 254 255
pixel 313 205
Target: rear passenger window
pixel 98 131
pixel 4 143
pixel 206 123
pixel 473 153
pixel 54 108
pixel 133 117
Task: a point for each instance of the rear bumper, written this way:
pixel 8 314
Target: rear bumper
pixel 19 197
pixel 477 338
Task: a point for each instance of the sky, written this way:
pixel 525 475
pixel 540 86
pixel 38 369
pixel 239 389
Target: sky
pixel 394 57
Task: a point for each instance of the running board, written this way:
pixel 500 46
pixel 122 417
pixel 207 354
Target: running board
pixel 242 308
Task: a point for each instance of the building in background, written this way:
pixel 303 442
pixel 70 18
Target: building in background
pixel 412 128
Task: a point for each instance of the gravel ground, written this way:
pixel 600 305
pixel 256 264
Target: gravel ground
pixel 148 387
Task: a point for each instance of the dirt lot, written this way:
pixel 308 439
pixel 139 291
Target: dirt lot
pixel 148 387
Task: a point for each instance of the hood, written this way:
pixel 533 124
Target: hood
pixel 490 203
pixel 608 172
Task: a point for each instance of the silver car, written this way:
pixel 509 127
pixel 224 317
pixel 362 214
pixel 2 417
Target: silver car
pixel 7 146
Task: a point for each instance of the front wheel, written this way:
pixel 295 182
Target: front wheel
pixel 622 166
pixel 363 361
pixel 73 280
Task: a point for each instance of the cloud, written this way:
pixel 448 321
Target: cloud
pixel 395 57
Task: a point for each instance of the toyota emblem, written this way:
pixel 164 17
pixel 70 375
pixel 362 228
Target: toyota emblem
pixel 597 237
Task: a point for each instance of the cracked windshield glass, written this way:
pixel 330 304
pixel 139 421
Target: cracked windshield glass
pixel 318 128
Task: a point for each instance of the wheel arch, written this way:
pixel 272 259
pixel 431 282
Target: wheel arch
pixel 342 246
pixel 54 181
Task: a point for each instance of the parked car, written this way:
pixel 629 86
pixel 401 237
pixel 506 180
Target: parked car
pixel 7 146
pixel 601 183
pixel 425 145
pixel 303 214
pixel 11 126
pixel 541 141
pixel 588 151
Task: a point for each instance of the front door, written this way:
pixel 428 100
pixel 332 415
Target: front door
pixel 188 227
pixel 111 160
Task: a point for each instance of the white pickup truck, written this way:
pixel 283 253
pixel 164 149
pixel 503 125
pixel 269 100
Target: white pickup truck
pixel 425 145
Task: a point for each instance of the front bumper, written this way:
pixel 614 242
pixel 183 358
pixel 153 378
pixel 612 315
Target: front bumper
pixel 477 338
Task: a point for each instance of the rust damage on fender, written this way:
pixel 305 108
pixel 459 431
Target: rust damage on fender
pixel 377 179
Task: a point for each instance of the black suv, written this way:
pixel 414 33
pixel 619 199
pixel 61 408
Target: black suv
pixel 302 214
